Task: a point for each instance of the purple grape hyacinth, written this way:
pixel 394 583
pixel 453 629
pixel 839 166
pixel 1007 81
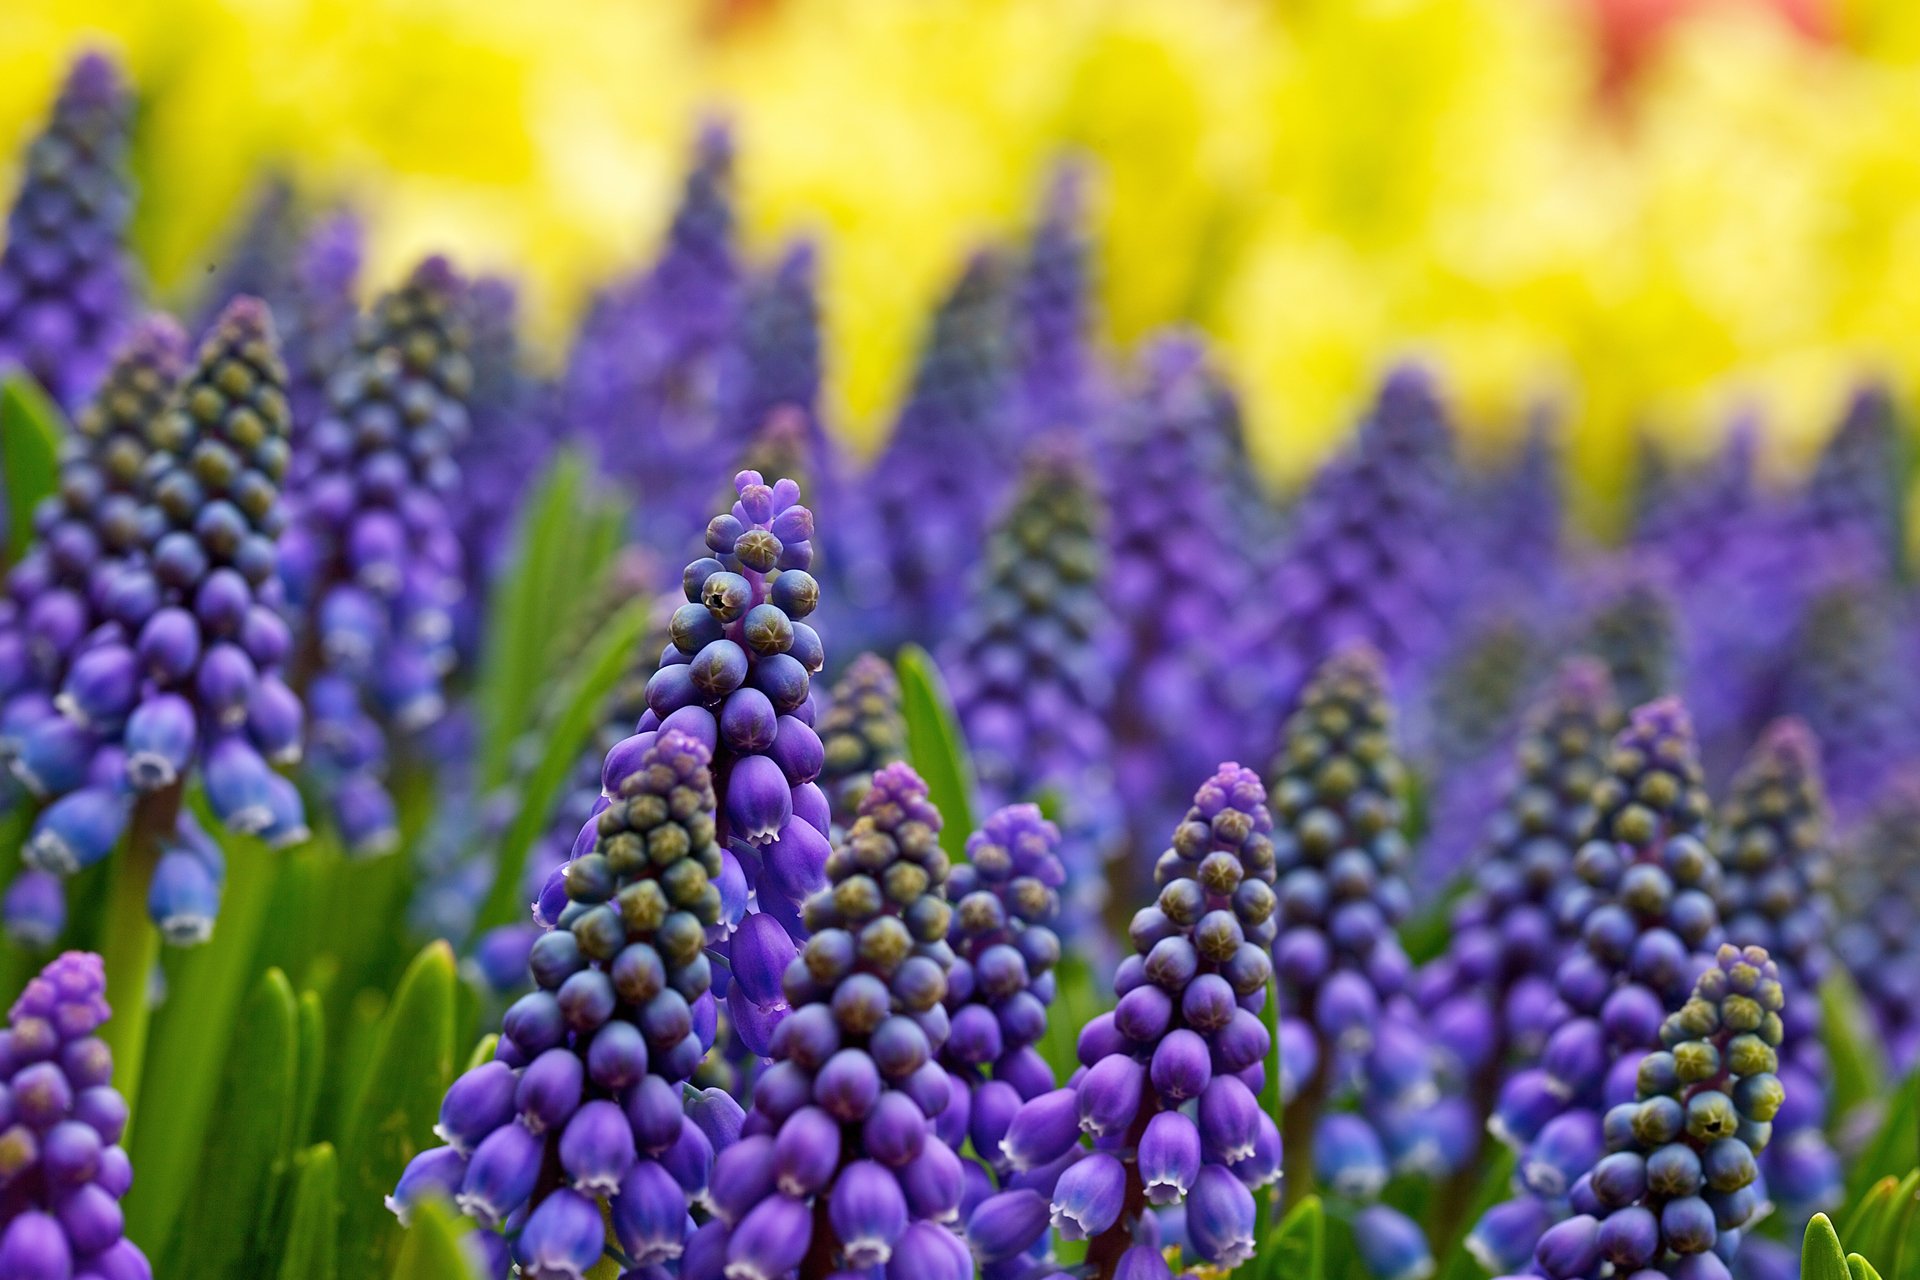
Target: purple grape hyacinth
pixel 860 732
pixel 1646 916
pixel 574 1137
pixel 1878 887
pixel 1055 379
pixel 65 287
pixel 1776 894
pixel 1851 682
pixel 1679 1178
pixel 62 1169
pixel 316 317
pixel 1172 1076
pixel 838 1167
pixel 737 674
pixel 372 556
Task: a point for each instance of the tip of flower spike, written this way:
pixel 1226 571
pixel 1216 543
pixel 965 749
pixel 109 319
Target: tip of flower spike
pixel 330 258
pixel 70 993
pixel 436 274
pixel 680 750
pixel 1661 721
pixel 1790 747
pixel 156 339
pixel 93 80
pixel 1173 355
pixel 245 318
pixel 1232 786
pixel 1065 202
pixel 1356 663
pixel 713 145
pixel 897 786
pixel 1583 683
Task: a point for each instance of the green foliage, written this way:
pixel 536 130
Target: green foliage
pixel 31 429
pixel 225 1218
pixel 1295 1248
pixel 1895 1149
pixel 1821 1257
pixel 409 1065
pixel 310 1250
pixel 432 1247
pixel 1076 1002
pixel 936 747
pixel 567 534
pixel 1857 1061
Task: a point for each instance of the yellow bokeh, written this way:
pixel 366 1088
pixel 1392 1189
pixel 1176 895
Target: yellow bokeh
pixel 1325 185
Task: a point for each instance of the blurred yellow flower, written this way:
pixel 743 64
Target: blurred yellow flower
pixel 1324 184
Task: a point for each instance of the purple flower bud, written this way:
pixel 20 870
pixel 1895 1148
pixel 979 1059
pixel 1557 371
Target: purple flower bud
pixel 1348 1157
pixel 1008 1224
pixel 1169 1157
pixel 53 756
pixel 1503 1240
pixel 689 1161
pixel 1391 1245
pixel 1089 1196
pixel 650 1212
pixel 759 800
pixel 237 785
pixel 275 721
pixel 562 1239
pixel 975 1038
pixel 169 646
pixel 1229 1120
pixel 617 1058
pixel 896 1130
pixel 224 683
pixel 34 1247
pixel 868 1211
pixel 183 898
pixel 1182 1067
pixel 550 1089
pixel 1263 1166
pixel 770 1240
pixel 596 1149
pixel 718 1115
pixel 34 908
pixel 994 1106
pixel 1220 1216
pixel 806 1151
pixel 1527 1101
pixel 1142 1262
pixel 101 686
pixel 932 1182
pixel 1042 1129
pixel 501 1175
pixel 1576 1058
pixel 653 1109
pixel 1629 1238
pixel 848 1085
pixel 1109 1095
pixel 1566 1147
pixel 742 1177
pixel 927 1252
pixel 437 1171
pixel 77 830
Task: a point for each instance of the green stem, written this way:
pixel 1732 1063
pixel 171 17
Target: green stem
pixel 130 945
pixel 1296 1135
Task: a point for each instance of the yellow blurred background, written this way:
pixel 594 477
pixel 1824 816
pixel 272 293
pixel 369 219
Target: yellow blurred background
pixel 1646 211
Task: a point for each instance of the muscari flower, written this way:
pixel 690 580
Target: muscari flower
pixel 643 378
pixel 1054 382
pixel 259 255
pixel 1631 624
pixel 1680 1178
pixel 1366 558
pixel 1878 939
pixel 939 479
pixel 65 287
pixel 1179 562
pixel 1849 680
pixel 1348 1028
pixel 316 316
pixel 1006 898
pixel 860 731
pixel 573 1138
pixel 1776 894
pixel 372 557
pixel 62 1169
pixel 1031 668
pixel 1645 913
pixel 1488 996
pixel 1171 1077
pixel 843 1118
pixel 737 674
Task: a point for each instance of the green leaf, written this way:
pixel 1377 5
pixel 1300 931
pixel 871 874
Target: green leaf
pixel 189 1040
pixel 1858 1060
pixel 244 1139
pixel 392 1114
pixel 565 536
pixel 432 1250
pixel 1075 1003
pixel 1895 1149
pixel 1860 1268
pixel 575 709
pixel 936 747
pixel 1868 1214
pixel 1821 1257
pixel 483 1051
pixel 312 1063
pixel 31 429
pixel 311 1248
pixel 1296 1248
pixel 1899 1255
pixel 1495 1185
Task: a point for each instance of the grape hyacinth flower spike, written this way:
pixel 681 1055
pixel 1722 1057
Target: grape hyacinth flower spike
pixel 1879 937
pixel 737 675
pixel 1348 1028
pixel 1679 1180
pixel 65 291
pixel 62 1169
pixel 1171 1080
pixel 861 731
pixel 1006 897
pixel 578 1119
pixel 373 559
pixel 838 1167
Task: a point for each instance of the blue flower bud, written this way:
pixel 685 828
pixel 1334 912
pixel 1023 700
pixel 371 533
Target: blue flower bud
pixel 183 898
pixel 34 909
pixel 77 830
pixel 1503 1240
pixel 1169 1157
pixel 1220 1215
pixel 743 1176
pixel 1567 1146
pixel 1089 1196
pixel 597 1149
pixel 1348 1157
pixel 1570 1249
pixel 437 1171
pixel 1008 1224
pixel 53 756
pixel 932 1183
pixel 649 1214
pixel 1181 1066
pixel 237 785
pixel 476 1104
pixel 550 1088
pixel 868 1211
pixel 563 1238
pixel 770 1240
pixel 1109 1095
pixel 501 1175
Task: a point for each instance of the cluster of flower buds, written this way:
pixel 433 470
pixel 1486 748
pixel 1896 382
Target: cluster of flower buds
pixel 1364 561
pixel 1850 681
pixel 861 731
pixel 1775 894
pixel 1054 378
pixel 1492 992
pixel 504 451
pixel 582 1102
pixel 1349 1029
pixel 1180 565
pixel 737 675
pixel 1031 668
pixel 62 1170
pixel 1169 1094
pixel 646 368
pixel 1645 913
pixel 1680 1178
pixel 65 292
pixel 1879 935
pixel 1006 897
pixel 946 458
pixel 839 1167
pixel 1631 626
pixel 372 557
pixel 777 365
pixel 317 316
pixel 1854 494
